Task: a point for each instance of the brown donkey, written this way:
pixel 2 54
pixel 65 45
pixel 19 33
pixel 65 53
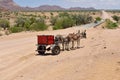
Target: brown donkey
pixel 76 38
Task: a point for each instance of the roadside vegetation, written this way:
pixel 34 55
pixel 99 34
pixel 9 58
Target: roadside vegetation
pixel 37 21
pixel 13 22
pixel 111 25
pixel 97 19
pixel 28 24
pixel 65 20
pixel 4 24
pixel 116 18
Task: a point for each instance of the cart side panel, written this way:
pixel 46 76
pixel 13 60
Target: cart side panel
pixel 42 39
pixel 50 40
pixel 45 39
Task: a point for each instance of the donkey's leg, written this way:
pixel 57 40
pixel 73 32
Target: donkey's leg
pixel 78 43
pixel 73 44
pixel 63 47
pixel 68 46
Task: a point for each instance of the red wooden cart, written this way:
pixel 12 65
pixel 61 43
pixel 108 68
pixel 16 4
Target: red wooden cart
pixel 43 41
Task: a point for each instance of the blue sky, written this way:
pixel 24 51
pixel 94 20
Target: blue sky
pixel 99 4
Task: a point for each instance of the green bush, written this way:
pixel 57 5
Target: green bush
pixel 64 14
pixel 28 24
pixel 53 20
pixel 67 22
pixel 63 22
pixel 20 22
pixel 38 27
pixel 4 24
pixel 16 29
pixel 98 19
pixel 82 19
pixel 110 24
pixel 58 24
pixel 116 18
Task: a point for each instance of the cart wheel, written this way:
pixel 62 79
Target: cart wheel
pixel 56 50
pixel 42 50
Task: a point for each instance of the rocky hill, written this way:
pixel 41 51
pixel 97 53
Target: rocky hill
pixel 11 5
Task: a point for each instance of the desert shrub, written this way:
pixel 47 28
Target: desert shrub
pixel 51 14
pixel 4 24
pixel 64 14
pixel 20 22
pixel 67 22
pixel 34 27
pixel 116 18
pixel 56 18
pixel 58 24
pixel 28 24
pixel 110 24
pixel 32 20
pixel 38 26
pixel 40 20
pixel 98 19
pixel 42 26
pixel 53 20
pixel 16 29
pixel 63 22
pixel 82 19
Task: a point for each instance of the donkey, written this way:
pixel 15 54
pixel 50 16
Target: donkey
pixel 76 38
pixel 80 36
pixel 70 36
pixel 64 40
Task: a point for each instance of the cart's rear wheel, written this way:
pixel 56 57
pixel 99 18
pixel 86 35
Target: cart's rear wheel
pixel 56 50
pixel 41 50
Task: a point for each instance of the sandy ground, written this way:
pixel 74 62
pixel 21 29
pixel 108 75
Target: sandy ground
pixel 97 59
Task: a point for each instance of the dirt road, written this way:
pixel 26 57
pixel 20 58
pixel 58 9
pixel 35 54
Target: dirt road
pixel 105 15
pixel 99 59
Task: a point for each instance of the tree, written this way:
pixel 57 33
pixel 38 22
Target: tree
pixel 82 19
pixel 110 24
pixel 63 14
pixel 97 19
pixel 53 20
pixel 4 23
pixel 64 22
pixel 20 22
pixel 116 18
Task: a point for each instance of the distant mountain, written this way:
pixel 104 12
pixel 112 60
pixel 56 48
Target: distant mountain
pixel 48 7
pixel 3 9
pixel 11 5
pixel 79 8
